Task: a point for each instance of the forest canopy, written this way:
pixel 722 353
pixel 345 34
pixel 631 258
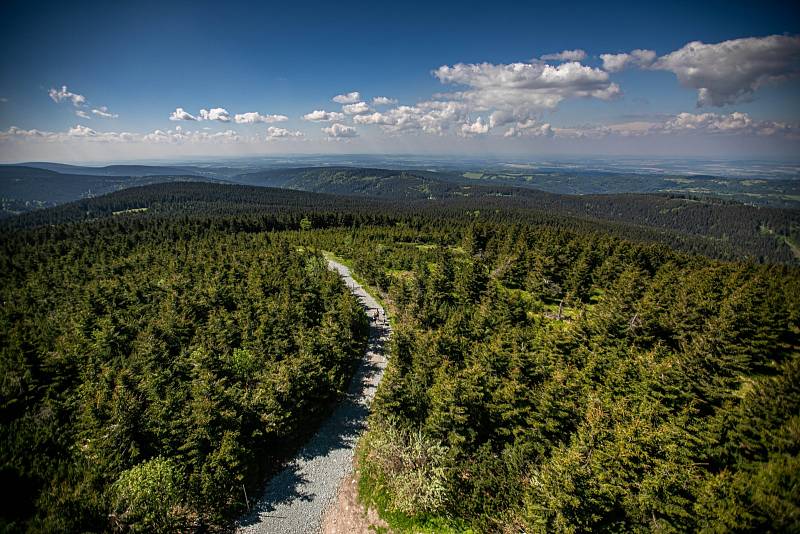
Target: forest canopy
pixel 547 381
pixel 163 348
pixel 150 376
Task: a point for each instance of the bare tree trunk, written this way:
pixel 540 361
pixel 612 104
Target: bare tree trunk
pixel 633 324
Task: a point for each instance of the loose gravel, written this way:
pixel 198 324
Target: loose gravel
pixel 296 498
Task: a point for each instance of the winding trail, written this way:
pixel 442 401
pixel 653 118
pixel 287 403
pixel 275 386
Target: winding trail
pixel 296 498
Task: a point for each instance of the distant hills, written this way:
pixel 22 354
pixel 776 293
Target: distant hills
pixel 411 183
pixel 380 183
pixel 24 189
pixel 108 170
pixel 774 192
pixel 719 229
pixel 743 231
pixel 132 170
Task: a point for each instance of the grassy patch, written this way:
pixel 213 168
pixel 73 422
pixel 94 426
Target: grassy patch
pixel 567 312
pixel 131 210
pixel 399 273
pixel 372 493
pixel 418 246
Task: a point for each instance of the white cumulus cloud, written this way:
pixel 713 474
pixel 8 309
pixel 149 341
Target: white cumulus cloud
pixel 383 101
pixel 274 132
pixel 253 117
pixel 434 117
pixel 527 86
pixel 566 55
pixel 80 133
pixel 735 123
pixel 59 95
pixel 731 123
pixel 319 115
pixel 181 115
pixel 104 113
pixel 530 128
pixel 180 136
pixel 215 114
pixel 638 58
pixel 339 131
pixel 731 71
pixel 358 108
pixel 476 128
pixel 82 114
pixel 501 117
pixel 347 98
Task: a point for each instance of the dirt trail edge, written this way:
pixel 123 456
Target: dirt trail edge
pixel 296 498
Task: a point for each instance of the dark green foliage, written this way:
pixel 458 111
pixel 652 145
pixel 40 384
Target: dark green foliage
pixel 545 375
pixel 150 375
pixel 599 386
pixel 23 189
pixel 721 229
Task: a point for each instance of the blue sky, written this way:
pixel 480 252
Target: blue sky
pixel 137 62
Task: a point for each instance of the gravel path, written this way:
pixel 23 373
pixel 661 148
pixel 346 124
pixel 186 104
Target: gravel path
pixel 296 498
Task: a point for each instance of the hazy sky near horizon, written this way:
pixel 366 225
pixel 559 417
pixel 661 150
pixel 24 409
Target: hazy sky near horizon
pixel 124 80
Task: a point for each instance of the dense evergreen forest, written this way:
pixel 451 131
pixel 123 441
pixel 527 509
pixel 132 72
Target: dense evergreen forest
pixel 708 219
pixel 163 347
pixel 150 375
pixel 547 381
pixel 714 228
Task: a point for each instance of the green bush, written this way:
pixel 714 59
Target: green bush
pixel 407 467
pixel 149 497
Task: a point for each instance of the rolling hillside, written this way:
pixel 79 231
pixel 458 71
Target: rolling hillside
pixel 717 229
pixel 765 192
pixel 24 189
pixel 132 170
pixel 757 233
pixel 358 181
pixel 749 229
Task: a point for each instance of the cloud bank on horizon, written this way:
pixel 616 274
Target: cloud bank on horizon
pixel 505 106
